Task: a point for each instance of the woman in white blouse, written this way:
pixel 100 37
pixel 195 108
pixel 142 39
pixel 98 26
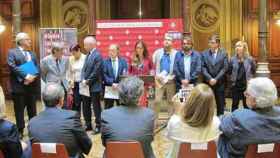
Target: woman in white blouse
pixel 196 122
pixel 76 62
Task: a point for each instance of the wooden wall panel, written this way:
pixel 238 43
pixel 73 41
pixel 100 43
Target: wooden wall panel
pixel 251 18
pixel 29 24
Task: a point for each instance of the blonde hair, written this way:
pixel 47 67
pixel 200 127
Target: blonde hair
pixel 2 104
pixel 245 48
pixel 200 107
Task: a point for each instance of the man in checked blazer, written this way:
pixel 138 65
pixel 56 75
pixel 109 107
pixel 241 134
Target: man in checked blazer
pixel 54 68
pixel 214 68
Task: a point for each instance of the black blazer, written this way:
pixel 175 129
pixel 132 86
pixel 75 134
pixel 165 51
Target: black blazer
pixel 92 71
pixel 214 68
pixel 15 59
pixel 9 140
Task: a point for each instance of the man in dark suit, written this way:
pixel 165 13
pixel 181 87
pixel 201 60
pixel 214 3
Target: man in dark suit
pixel 92 76
pixel 214 67
pixel 55 125
pixel 113 67
pixel 187 65
pixel 24 86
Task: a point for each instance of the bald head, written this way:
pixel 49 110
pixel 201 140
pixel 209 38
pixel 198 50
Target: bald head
pixel 89 43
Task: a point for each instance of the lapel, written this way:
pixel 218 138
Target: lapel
pixel 87 63
pixel 22 57
pixel 53 65
pixel 182 64
pixel 210 57
pixel 119 66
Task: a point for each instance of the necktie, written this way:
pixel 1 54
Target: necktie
pixel 25 55
pixel 114 68
pixel 57 65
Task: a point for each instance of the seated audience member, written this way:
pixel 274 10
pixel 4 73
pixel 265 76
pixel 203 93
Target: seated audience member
pixel 129 121
pixel 55 125
pixel 260 124
pixel 197 122
pixel 10 143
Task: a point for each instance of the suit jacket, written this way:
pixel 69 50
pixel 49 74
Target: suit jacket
pixel 92 71
pixel 249 65
pixel 15 59
pixel 9 140
pixel 215 68
pixel 246 126
pixel 51 73
pixel 157 58
pixel 179 67
pixel 115 123
pixel 55 125
pixel 108 72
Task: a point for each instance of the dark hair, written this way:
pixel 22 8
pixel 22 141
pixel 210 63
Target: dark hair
pixel 74 47
pixel 145 53
pixel 215 38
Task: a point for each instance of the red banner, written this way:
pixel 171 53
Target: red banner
pixel 127 32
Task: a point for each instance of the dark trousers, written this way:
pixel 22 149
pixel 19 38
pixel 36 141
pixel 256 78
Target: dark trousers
pixel 22 100
pixel 77 98
pixel 237 95
pixel 95 100
pixel 108 103
pixel 219 92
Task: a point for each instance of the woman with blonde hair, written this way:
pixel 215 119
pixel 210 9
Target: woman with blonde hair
pixel 241 68
pixel 197 122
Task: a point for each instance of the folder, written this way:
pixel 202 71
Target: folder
pixel 29 68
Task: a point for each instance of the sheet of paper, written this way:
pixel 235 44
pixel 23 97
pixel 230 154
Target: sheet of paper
pixel 263 148
pixel 199 146
pixel 84 89
pixel 111 93
pixel 48 148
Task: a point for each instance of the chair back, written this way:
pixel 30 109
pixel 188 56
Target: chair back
pixel 1 154
pixel 198 150
pixel 124 149
pixel 263 151
pixel 49 150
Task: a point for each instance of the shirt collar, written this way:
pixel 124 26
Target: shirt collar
pixel 116 59
pixel 189 54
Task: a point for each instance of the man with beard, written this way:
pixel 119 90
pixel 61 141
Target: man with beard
pixel 187 65
pixel 163 59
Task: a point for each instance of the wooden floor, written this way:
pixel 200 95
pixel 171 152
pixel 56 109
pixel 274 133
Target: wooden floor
pixel 160 143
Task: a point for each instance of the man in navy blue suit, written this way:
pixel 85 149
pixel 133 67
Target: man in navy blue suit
pixel 214 67
pixel 187 65
pixel 113 68
pixel 92 76
pixel 24 85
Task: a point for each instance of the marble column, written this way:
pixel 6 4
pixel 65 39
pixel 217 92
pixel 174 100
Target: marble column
pixel 16 17
pixel 262 65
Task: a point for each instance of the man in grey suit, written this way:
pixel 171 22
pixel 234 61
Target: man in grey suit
pixel 55 66
pixel 260 124
pixel 92 76
pixel 129 121
pixel 24 86
pixel 55 125
pixel 214 68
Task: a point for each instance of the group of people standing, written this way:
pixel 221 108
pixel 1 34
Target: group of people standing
pixel 173 70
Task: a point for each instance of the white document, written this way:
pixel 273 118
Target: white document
pixel 49 148
pixel 199 146
pixel 84 89
pixel 264 148
pixel 111 93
